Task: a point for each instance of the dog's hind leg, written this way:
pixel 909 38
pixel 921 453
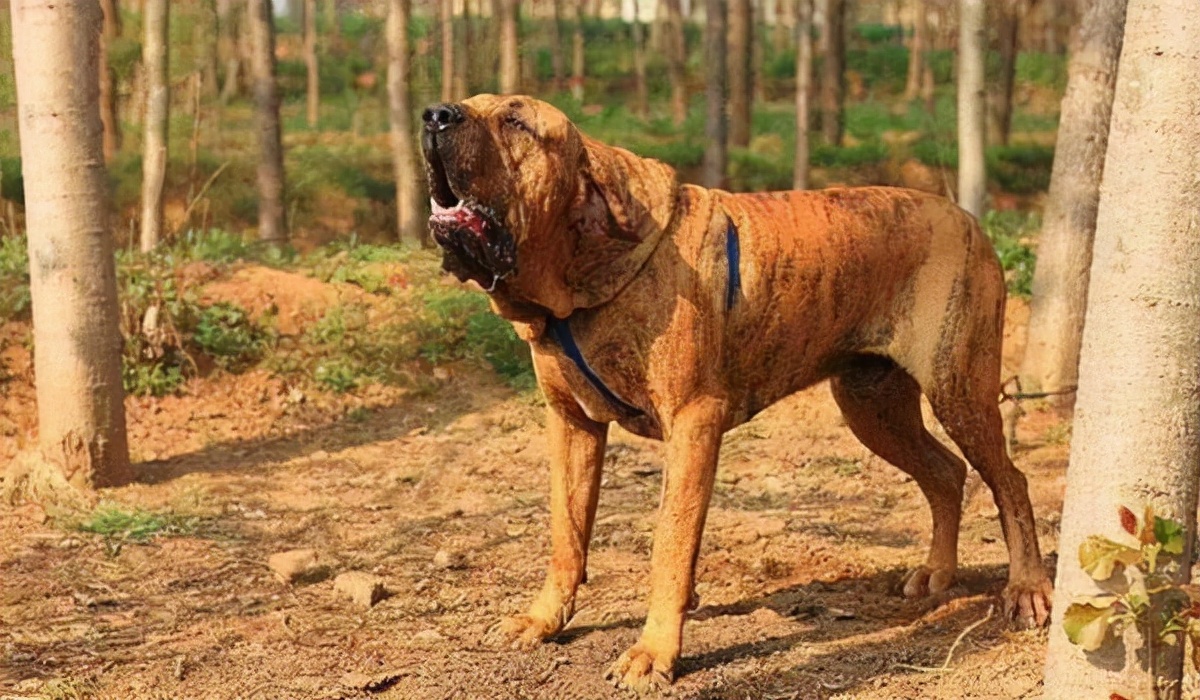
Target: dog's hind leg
pixel 882 406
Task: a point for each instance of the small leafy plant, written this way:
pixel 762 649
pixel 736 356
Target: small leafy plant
pixel 1139 580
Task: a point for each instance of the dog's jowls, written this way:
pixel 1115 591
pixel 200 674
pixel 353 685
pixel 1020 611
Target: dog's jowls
pixel 680 312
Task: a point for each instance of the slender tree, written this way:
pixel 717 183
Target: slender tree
pixel 916 50
pixel 1060 280
pixel 577 57
pixel 715 125
pixel 833 71
pixel 231 45
pixel 462 56
pixel 410 230
pixel 272 227
pixel 77 344
pixel 447 8
pixel 558 62
pixel 785 19
pixel 741 89
pixel 158 101
pixel 108 80
pixel 313 92
pixel 676 60
pixel 972 178
pixel 641 103
pixel 1008 23
pixel 510 61
pixel 1135 432
pixel 804 70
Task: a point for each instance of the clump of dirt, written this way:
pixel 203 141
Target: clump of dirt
pixel 294 299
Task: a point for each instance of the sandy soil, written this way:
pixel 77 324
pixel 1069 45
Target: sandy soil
pixel 806 547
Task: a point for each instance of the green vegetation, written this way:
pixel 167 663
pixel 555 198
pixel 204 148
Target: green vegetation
pixel 1011 233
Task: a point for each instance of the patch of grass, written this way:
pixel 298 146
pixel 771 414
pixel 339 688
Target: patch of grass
pixel 1011 233
pixel 828 156
pixel 1042 69
pixel 14 277
pixel 117 522
pixel 1021 168
pixel 225 332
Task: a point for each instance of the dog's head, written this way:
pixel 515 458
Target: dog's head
pixel 533 210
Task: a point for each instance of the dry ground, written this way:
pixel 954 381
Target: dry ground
pixel 807 543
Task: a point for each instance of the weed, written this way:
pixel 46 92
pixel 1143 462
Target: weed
pixel 225 332
pixel 14 277
pixel 69 689
pixel 119 525
pixel 1010 233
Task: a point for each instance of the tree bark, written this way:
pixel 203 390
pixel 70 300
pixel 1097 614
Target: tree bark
pixel 737 56
pixel 272 227
pixel 155 20
pixel 77 344
pixel 916 51
pixel 410 229
pixel 577 57
pixel 447 17
pixel 715 127
pixel 972 177
pixel 676 61
pixel 1064 255
pixel 833 72
pixel 313 102
pixel 462 57
pixel 230 43
pixel 641 99
pixel 804 70
pixel 1008 22
pixel 510 63
pixel 108 81
pixel 1138 412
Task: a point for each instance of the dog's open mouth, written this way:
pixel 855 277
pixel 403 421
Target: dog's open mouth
pixel 475 243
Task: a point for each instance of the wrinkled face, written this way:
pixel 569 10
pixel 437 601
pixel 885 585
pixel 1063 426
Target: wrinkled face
pixel 500 169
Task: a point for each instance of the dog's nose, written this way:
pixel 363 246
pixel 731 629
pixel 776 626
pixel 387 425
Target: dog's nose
pixel 442 117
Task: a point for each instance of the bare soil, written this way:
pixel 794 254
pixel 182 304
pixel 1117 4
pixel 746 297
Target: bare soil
pixel 441 493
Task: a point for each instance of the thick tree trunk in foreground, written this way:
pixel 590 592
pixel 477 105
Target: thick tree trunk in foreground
pixel 641 99
pixel 77 344
pixel 313 93
pixel 715 127
pixel 916 51
pixel 154 142
pixel 737 56
pixel 1008 21
pixel 410 229
pixel 676 61
pixel 510 63
pixel 833 71
pixel 972 178
pixel 804 70
pixel 1138 415
pixel 108 81
pixel 272 227
pixel 1064 255
pixel 447 17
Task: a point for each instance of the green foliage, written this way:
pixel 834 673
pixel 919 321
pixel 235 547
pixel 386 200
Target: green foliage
pixel 1146 596
pixel 12 181
pixel 1021 168
pixel 756 172
pixel 1010 233
pixel 116 522
pixel 828 156
pixel 457 324
pixel 883 67
pixel 337 374
pixel 880 33
pixel 214 245
pixel 1046 70
pixel 225 332
pixel 14 277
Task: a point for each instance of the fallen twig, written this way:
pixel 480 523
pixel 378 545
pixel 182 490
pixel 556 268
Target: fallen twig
pixel 953 647
pixel 187 213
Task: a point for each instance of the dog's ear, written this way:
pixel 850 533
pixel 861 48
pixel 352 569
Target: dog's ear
pixel 622 210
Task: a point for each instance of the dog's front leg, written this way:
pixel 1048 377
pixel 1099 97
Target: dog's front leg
pixel 576 455
pixel 692 449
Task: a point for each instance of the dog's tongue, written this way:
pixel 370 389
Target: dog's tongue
pixel 459 216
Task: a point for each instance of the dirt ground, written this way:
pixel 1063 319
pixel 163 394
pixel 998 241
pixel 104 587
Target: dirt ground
pixel 442 494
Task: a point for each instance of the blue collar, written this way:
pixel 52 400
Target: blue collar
pixel 560 330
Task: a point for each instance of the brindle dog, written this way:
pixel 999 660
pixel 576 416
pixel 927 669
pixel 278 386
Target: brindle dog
pixel 680 312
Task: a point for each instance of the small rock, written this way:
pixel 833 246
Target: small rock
pixel 441 374
pixel 768 527
pixel 363 589
pixel 296 396
pixel 295 566
pixel 445 559
pixel 429 636
pixel 319 455
pixel 70 543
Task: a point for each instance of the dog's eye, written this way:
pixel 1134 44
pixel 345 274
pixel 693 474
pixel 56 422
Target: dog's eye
pixel 518 123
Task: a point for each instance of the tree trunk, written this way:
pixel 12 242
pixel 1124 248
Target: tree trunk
pixel 1138 414
pixel 313 104
pixel 916 51
pixel 715 132
pixel 410 229
pixel 333 27
pixel 758 55
pixel 1064 255
pixel 77 344
pixel 741 90
pixel 833 72
pixel 158 101
pixel 804 70
pixel 577 57
pixel 1008 21
pixel 972 178
pixel 510 62
pixel 108 81
pixel 784 20
pixel 641 100
pixel 447 21
pixel 676 61
pixel 231 47
pixel 272 227
pixel 557 60
pixel 462 57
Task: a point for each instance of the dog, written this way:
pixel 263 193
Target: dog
pixel 680 312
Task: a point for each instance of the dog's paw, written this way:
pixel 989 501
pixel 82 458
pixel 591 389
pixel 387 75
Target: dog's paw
pixel 1029 601
pixel 927 580
pixel 641 670
pixel 521 632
